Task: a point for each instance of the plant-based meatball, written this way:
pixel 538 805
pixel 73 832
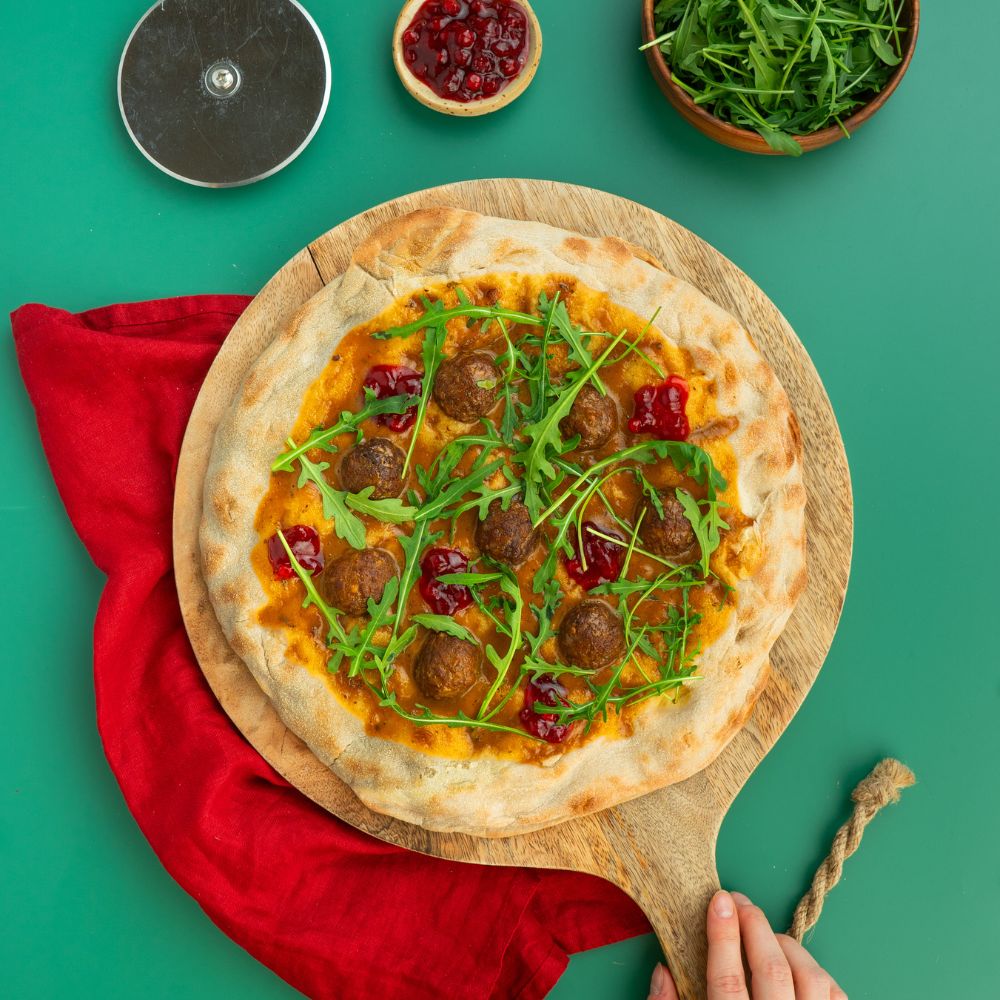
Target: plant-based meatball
pixel 670 536
pixel 591 635
pixel 356 576
pixel 467 386
pixel 506 535
pixel 375 462
pixel 593 416
pixel 446 666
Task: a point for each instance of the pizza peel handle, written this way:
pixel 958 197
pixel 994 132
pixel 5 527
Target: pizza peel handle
pixel 662 849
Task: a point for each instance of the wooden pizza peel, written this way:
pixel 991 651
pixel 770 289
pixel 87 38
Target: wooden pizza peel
pixel 659 848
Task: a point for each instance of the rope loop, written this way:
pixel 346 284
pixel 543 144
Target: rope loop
pixel 881 788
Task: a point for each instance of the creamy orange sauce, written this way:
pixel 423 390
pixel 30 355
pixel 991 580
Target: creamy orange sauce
pixel 339 388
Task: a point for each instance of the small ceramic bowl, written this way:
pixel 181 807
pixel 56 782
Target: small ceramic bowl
pixel 425 95
pixel 747 140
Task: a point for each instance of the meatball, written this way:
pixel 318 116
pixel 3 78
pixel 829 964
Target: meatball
pixel 593 416
pixel 591 635
pixel 467 386
pixel 375 462
pixel 506 535
pixel 670 536
pixel 446 666
pixel 353 578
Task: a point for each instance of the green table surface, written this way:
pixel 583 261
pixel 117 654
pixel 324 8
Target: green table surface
pixel 882 252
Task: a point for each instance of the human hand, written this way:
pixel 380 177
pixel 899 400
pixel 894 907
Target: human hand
pixel 780 968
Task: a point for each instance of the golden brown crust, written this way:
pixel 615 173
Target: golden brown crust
pixel 491 796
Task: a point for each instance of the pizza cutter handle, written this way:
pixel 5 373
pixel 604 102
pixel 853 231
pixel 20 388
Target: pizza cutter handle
pixel 667 865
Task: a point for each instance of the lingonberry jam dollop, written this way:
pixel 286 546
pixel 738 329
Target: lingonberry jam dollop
pixel 660 410
pixel 544 690
pixel 465 51
pixel 305 546
pixel 603 558
pixel 444 598
pixel 395 380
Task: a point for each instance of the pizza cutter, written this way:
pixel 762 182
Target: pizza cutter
pixel 659 848
pixel 221 93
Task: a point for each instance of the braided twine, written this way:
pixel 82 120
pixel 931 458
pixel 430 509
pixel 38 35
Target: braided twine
pixel 878 790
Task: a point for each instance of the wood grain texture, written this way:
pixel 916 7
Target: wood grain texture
pixel 659 848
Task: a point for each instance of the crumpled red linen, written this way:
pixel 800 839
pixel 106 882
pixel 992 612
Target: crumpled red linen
pixel 331 910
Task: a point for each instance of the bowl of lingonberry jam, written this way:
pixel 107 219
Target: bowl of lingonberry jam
pixel 466 57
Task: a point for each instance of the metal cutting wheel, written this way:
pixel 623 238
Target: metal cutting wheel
pixel 220 93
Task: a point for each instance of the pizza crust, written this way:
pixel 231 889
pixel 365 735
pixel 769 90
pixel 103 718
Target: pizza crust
pixel 486 795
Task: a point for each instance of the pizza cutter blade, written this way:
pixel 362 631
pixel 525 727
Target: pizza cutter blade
pixel 220 93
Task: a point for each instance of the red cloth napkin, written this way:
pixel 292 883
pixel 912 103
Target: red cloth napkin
pixel 331 910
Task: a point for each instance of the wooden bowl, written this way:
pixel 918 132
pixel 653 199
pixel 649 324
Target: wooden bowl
pixel 750 141
pixel 466 109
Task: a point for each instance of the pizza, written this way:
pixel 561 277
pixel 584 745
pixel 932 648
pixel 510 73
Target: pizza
pixel 505 522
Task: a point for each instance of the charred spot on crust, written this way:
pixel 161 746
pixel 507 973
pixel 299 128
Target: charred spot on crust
pixel 506 535
pixel 577 247
pixel 446 666
pixel 591 635
pixel 375 462
pixel 617 249
pixel 467 386
pixel 593 416
pixel 355 577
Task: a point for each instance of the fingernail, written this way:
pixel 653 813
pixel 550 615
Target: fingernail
pixel 659 981
pixel 740 899
pixel 723 904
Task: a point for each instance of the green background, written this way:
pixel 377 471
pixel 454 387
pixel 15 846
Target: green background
pixel 882 252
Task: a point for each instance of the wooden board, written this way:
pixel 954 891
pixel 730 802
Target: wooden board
pixel 659 848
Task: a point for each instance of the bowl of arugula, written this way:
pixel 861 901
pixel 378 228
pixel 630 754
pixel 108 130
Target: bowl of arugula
pixel 779 77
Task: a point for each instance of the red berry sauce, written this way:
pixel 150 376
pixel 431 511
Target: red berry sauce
pixel 444 598
pixel 305 546
pixel 465 50
pixel 659 410
pixel 546 690
pixel 604 558
pixel 395 380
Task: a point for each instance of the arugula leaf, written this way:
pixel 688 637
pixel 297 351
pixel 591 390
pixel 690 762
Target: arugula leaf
pixel 468 579
pixel 433 355
pixel 705 524
pixel 556 317
pixel 545 436
pixel 423 716
pixel 347 526
pixel 446 624
pixel 437 315
pixel 412 546
pixel 882 49
pixel 676 578
pixel 338 638
pixel 322 437
pixel 650 492
pixel 780 142
pixel 391 510
pixel 368 655
pixel 513 609
pixel 456 489
pixel 690 460
pixel 687 458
